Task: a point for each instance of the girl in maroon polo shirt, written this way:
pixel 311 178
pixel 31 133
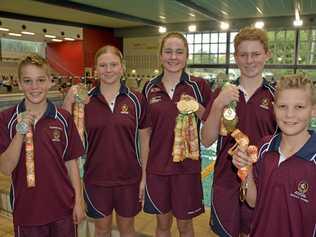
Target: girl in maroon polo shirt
pixel 281 185
pixel 172 189
pixel 113 176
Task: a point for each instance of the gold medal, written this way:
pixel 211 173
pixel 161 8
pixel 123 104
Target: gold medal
pixel 82 93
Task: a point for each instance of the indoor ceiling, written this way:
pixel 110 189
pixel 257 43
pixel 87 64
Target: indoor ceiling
pixel 129 14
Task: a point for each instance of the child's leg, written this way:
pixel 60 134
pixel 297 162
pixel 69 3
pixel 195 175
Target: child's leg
pixel 103 226
pixel 164 223
pixel 185 228
pixel 125 226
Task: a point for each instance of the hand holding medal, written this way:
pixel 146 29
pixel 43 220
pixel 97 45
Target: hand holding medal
pixel 242 144
pixel 25 120
pixel 229 118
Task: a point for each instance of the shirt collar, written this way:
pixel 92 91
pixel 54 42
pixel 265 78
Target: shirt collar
pixel 50 112
pixel 306 152
pixel 97 91
pixel 183 78
pixel 265 82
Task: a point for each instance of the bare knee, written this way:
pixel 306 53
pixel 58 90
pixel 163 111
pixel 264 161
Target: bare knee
pixel 125 226
pixel 185 227
pixel 103 227
pixel 164 222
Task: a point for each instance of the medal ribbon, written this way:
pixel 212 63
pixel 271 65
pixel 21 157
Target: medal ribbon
pixel 29 159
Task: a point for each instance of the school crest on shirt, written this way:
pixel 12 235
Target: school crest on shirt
pixel 56 135
pixel 302 191
pixel 265 103
pixel 155 99
pixel 124 109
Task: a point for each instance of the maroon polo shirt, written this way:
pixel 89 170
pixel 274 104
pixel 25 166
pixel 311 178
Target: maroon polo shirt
pixel 113 156
pixel 286 193
pixel 56 141
pixel 256 120
pixel 163 113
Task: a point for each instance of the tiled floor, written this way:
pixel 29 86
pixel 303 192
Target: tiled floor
pixel 145 226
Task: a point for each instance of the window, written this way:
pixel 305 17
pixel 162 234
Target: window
pixel 307 47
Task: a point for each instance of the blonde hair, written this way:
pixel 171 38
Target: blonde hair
pixel 296 81
pixel 251 33
pixel 108 49
pixel 174 35
pixel 33 59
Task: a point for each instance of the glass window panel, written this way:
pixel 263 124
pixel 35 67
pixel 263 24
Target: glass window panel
pixel 206 48
pixel 206 38
pixel 198 38
pixel 222 58
pixel 196 58
pixel 232 59
pixel 197 48
pixel 222 48
pixel 214 48
pixel 232 36
pixel 213 58
pixel 190 38
pixel 307 47
pixel 205 58
pixel 232 48
pixel 190 48
pixel 214 37
pixel 190 59
pixel 222 37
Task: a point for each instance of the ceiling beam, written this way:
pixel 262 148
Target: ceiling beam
pixel 193 6
pixel 100 11
pixel 18 16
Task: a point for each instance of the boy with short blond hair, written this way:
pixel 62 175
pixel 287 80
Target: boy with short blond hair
pixel 281 185
pixel 39 145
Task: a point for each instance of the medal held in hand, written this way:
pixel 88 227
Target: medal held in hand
pixel 23 128
pixel 80 97
pixel 229 118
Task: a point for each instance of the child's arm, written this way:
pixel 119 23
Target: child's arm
pixel 10 157
pixel 73 172
pixel 144 135
pixel 240 160
pixel 211 126
pixel 69 99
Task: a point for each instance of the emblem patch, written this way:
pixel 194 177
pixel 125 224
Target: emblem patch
pixel 56 135
pixel 302 191
pixel 124 109
pixel 155 99
pixel 265 103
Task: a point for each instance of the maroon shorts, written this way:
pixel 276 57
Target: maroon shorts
pixel 61 228
pixel 180 194
pixel 101 201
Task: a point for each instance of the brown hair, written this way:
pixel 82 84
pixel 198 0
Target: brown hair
pixel 251 33
pixel 108 49
pixel 296 81
pixel 174 35
pixel 34 59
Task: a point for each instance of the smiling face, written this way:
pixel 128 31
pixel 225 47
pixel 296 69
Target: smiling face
pixel 109 68
pixel 293 110
pixel 173 55
pixel 35 83
pixel 251 57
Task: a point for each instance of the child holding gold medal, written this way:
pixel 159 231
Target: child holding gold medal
pixel 114 172
pixel 39 147
pixel 281 185
pixel 176 105
pixel 246 105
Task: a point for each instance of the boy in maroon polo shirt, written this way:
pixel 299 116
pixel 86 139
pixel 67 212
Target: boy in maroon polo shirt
pixel 53 206
pixel 282 184
pixel 172 188
pixel 230 217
